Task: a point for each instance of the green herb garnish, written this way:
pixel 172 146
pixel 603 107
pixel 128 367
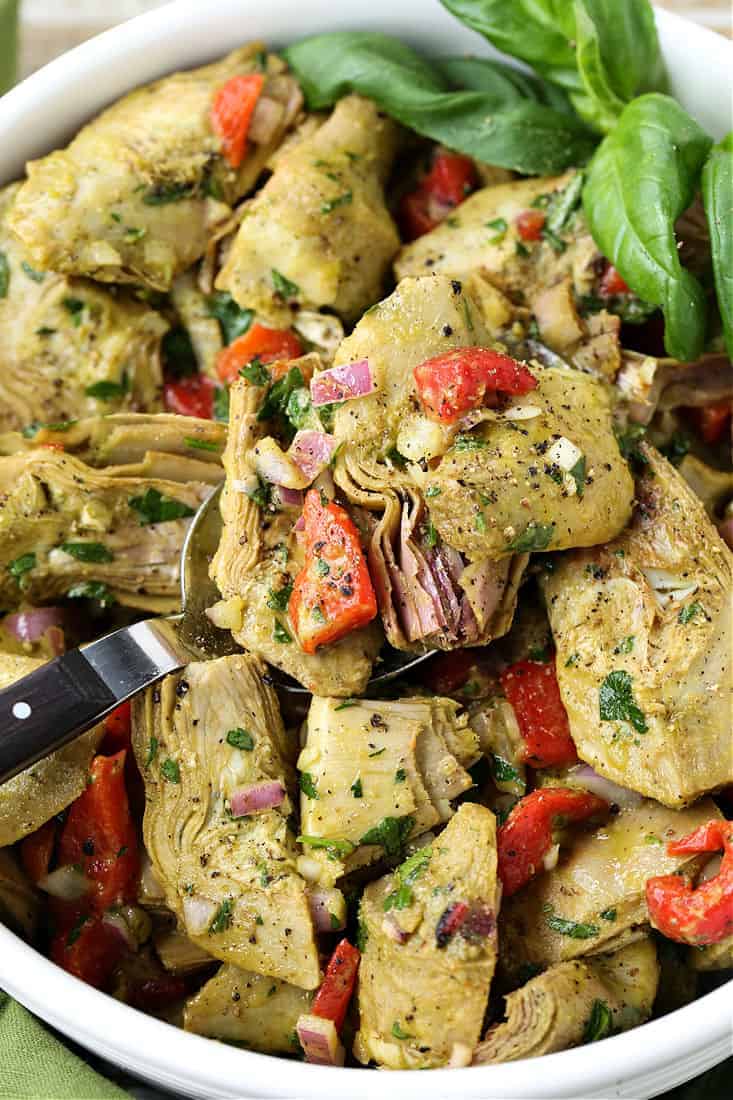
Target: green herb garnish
pixel 202 444
pixel 391 834
pixel 256 372
pixel 163 193
pixel 283 286
pixel 222 917
pixel 687 614
pixel 240 739
pixel 616 701
pixel 233 320
pixel 22 565
pixel 171 771
pixel 75 307
pixel 4 275
pixel 328 206
pixel 535 536
pixel 336 849
pixel 308 785
pixel 572 928
pixel 92 590
pixel 281 634
pixel 36 276
pixel 105 390
pixel 154 507
pixel 87 551
pixel 152 751
pixel 277 599
pixel 464 442
pixel 599 1022
pixel 356 789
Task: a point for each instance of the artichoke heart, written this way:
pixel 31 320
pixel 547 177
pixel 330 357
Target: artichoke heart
pixel 319 232
pixel 140 191
pixel 648 618
pixel 429 955
pixel 375 774
pixel 219 786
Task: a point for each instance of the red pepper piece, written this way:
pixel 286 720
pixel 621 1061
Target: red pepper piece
pixel 193 396
pixel 36 850
pixel 260 342
pixel 613 283
pixel 711 421
pixel 530 224
pixel 450 922
pixel 333 593
pixel 696 915
pixel 450 180
pixel 88 949
pixel 452 384
pixel 525 838
pixel 231 114
pixel 533 691
pixel 332 999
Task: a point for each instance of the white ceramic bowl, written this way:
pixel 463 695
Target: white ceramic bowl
pixel 41 114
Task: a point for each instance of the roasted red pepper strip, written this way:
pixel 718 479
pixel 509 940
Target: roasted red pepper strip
pixel 36 850
pixel 99 834
pixel 452 384
pixel 532 689
pixel 193 396
pixel 525 838
pixel 613 283
pixel 231 114
pixel 88 949
pixel 711 420
pixel 331 1002
pixel 450 180
pixel 530 224
pixel 333 594
pixel 702 914
pixel 259 342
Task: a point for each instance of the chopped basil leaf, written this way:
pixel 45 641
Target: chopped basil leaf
pixel 298 407
pixel 400 775
pixel 572 660
pixel 171 771
pixel 400 898
pixel 556 243
pixel 535 536
pixel 521 249
pixel 178 354
pixel 396 458
pixel 74 306
pixel 163 193
pixel 92 590
pixel 626 645
pixel 608 914
pixel 4 275
pixel 308 785
pixel 75 932
pixel 480 523
pixel 222 917
pixel 152 751
pixel 616 701
pixel 577 473
pixel 326 414
pixel 278 599
pixel 261 495
pixel 154 507
pixel 221 404
pixel 504 772
pixel 233 320
pixel 87 551
pixel 22 565
pixel 283 286
pixel 256 372
pixel 398 1032
pixel 501 226
pixel 278 395
pixel 44 330
pixel 201 444
pixel 240 739
pixel 347 703
pixel 36 276
pixel 433 491
pixel 628 440
pixel 108 391
pixel 599 1022
pixel 464 442
pixel 391 833
pixel 356 789
pixel 280 633
pixel 687 614
pixel 334 848
pixel 333 204
pixel 31 430
pixel 572 928
pixel 563 204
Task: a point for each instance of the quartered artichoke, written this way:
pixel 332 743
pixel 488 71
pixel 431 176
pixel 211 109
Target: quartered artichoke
pixel 647 622
pixel 429 949
pixel 205 738
pixel 141 191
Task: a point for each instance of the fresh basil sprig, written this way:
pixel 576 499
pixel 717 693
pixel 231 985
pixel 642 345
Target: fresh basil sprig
pixel 640 180
pixel 492 126
pixel 717 191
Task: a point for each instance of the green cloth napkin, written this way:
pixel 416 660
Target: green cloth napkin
pixel 8 43
pixel 36 1066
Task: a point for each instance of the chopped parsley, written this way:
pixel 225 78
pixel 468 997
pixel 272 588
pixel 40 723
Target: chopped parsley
pixel 480 523
pixel 577 473
pixel 431 534
pixel 4 275
pixel 572 660
pixel 328 206
pixel 326 414
pixel 152 751
pixel 396 458
pixel 572 928
pixel 629 440
pixel 561 205
pixel 401 898
pixel 171 771
pixel 87 551
pixel 616 701
pixel 504 772
pixel 22 565
pixel 398 1032
pixel 535 536
pixel 178 354
pixel 391 834
pixel 277 397
pixel 308 785
pixel 105 390
pixel 687 614
pixel 163 193
pixel 75 931
pixel 356 789
pixel 626 645
pixel 35 276
pixel 233 321
pixel 281 634
pixel 465 442
pixel 433 491
pixel 240 739
pixel 608 914
pixel 222 918
pixel 521 249
pixel 500 226
pixel 298 407
pixel 336 849
pixel 154 507
pixel 599 1022
pixel 75 307
pixel 406 875
pixel 256 372
pixel 221 404
pixel 400 775
pixel 92 590
pixel 284 287
pixel 277 599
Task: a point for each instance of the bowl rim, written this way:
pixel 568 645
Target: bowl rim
pixel 700 1032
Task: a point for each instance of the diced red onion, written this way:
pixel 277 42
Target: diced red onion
pixel 257 797
pixel 611 792
pixel 321 903
pixel 312 451
pixel 30 626
pixel 299 524
pixel 391 928
pixel 67 883
pixel 726 531
pixel 342 383
pixel 290 498
pixel 120 925
pixel 266 117
pixel 198 914
pixel 319 1040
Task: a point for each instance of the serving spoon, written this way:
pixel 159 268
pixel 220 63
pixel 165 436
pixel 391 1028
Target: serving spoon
pixel 73 692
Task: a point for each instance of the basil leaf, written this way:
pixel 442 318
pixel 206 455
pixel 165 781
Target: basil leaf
pixel 240 739
pixel 688 613
pixel 278 599
pixel 22 565
pixel 171 771
pixel 154 507
pixel 283 286
pixel 508 86
pixel 535 536
pixel 640 180
pixel 616 701
pixel 391 833
pixel 356 788
pixel 278 395
pixel 333 204
pixel 281 633
pixel 256 372
pixel 92 590
pixel 87 551
pixel 335 848
pixel 504 772
pixel 717 189
pixel 618 56
pixel 571 928
pixel 178 354
pixel 599 1022
pixel 4 275
pixel 163 193
pixel 308 785
pixel 75 307
pixel 298 407
pixel 524 135
pixel 108 391
pixel 201 444
pixel 233 320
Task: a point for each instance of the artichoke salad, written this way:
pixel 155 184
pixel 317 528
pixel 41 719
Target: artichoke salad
pixel 455 340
